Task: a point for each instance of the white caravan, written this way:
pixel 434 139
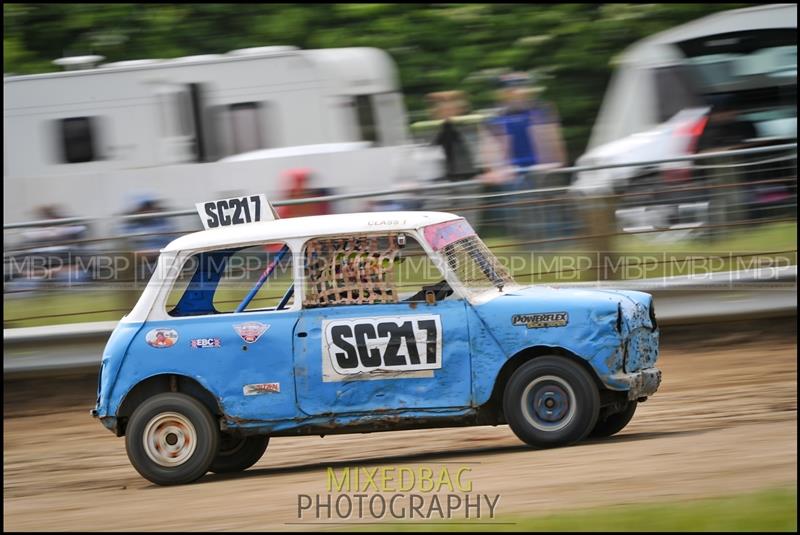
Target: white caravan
pixel 201 127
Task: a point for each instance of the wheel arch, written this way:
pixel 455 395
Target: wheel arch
pixel 164 382
pixel 494 405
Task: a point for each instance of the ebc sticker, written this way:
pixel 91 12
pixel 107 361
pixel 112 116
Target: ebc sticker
pixel 540 320
pixel 251 331
pixel 200 343
pixel 161 338
pixel 382 344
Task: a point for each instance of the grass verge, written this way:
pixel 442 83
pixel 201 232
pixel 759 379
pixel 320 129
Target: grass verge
pixel 767 510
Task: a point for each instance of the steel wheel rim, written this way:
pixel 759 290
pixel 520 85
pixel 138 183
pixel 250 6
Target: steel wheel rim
pixel 169 439
pixel 548 403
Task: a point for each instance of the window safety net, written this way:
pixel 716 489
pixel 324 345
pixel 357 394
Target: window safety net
pixel 350 271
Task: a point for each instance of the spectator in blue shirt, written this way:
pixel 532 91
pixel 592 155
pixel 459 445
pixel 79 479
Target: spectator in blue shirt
pixel 525 134
pixel 147 235
pixel 156 230
pixel 529 129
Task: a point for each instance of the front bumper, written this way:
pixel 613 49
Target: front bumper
pixel 644 383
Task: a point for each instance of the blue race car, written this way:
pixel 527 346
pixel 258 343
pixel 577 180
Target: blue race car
pixel 357 323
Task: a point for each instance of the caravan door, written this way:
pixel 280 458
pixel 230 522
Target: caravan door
pixel 177 130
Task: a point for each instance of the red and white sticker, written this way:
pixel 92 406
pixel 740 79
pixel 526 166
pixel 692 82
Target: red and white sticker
pixel 251 331
pixel 262 388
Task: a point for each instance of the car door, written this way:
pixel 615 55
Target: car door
pixel 363 358
pixel 380 354
pixel 241 347
pixel 247 360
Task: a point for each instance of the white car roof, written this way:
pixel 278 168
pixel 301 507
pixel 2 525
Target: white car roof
pixel 303 227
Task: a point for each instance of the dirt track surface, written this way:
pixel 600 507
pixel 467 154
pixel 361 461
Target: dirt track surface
pixel 723 422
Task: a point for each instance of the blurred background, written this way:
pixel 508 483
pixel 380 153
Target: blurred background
pixel 574 135
pixel 646 146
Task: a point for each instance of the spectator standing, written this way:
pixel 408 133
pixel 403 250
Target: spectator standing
pixel 297 187
pixel 55 248
pixel 523 138
pixel 459 163
pixel 148 235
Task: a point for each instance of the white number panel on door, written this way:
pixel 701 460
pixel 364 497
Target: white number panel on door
pixel 381 347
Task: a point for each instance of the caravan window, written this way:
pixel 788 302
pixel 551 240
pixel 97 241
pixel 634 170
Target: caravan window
pixel 365 112
pixel 246 127
pixel 183 114
pixel 77 139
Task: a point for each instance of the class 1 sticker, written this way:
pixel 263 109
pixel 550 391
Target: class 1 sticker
pixel 382 344
pixel 538 320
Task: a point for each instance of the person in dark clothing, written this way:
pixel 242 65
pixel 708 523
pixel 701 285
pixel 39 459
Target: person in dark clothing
pixel 458 159
pixel 459 164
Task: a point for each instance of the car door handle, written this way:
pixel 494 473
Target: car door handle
pixel 302 334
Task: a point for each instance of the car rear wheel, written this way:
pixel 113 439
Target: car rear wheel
pixel 551 401
pixel 171 439
pixel 238 453
pixel 614 423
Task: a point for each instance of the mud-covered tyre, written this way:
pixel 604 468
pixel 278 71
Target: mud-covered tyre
pixel 238 453
pixel 171 439
pixel 614 423
pixel 551 401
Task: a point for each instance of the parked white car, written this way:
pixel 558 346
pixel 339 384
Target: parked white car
pixel 725 81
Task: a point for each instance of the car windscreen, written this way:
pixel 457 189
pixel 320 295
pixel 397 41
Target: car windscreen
pixel 474 264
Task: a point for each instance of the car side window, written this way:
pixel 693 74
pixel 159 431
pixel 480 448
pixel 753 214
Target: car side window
pixel 366 270
pixel 417 274
pixel 256 278
pixel 246 266
pixel 350 271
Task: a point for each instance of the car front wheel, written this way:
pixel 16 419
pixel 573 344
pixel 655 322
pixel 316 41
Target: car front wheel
pixel 171 439
pixel 551 401
pixel 238 453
